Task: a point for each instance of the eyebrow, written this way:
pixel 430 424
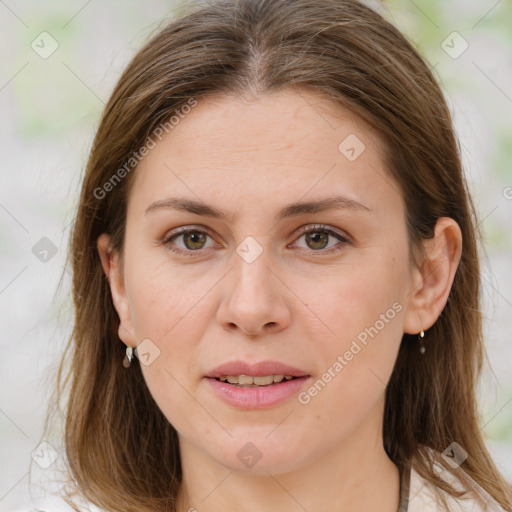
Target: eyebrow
pixel 291 210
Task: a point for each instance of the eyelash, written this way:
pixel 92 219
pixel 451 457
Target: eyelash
pixel 308 229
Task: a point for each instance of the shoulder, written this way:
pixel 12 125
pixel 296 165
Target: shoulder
pixel 30 509
pixel 55 504
pixel 53 508
pixel 425 496
pixel 33 509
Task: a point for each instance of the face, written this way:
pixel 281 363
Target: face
pixel 322 291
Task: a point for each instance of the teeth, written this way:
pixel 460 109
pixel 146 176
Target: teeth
pixel 247 380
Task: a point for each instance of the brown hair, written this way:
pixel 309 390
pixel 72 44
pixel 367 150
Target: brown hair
pixel 122 452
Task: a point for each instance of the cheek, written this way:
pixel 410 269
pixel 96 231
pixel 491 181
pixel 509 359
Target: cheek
pixel 167 308
pixel 362 327
pixel 356 296
pixel 162 296
pixel 357 364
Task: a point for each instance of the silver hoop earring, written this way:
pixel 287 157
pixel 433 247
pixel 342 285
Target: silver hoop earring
pixel 422 347
pixel 127 361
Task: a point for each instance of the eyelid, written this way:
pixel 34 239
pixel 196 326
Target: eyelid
pixel 324 227
pixel 185 229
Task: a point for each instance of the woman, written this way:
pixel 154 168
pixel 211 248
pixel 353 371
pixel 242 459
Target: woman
pixel 276 276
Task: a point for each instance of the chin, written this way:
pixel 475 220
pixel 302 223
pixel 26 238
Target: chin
pixel 255 453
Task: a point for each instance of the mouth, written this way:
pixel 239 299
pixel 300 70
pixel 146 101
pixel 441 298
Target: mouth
pixel 263 373
pixel 256 386
pixel 248 381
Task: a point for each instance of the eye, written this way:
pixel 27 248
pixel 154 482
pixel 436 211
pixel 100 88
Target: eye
pixel 194 240
pixel 317 237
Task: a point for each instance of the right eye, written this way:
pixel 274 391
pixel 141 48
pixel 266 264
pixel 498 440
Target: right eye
pixel 193 240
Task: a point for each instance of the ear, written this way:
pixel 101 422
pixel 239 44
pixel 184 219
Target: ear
pixel 114 272
pixel 433 278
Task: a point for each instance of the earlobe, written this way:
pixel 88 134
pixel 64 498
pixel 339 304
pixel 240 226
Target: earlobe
pixel 111 267
pixel 434 276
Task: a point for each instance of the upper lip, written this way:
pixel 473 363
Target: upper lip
pixel 260 369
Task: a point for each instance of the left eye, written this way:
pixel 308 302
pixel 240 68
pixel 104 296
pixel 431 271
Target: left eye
pixel 316 237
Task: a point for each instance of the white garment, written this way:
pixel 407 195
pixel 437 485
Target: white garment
pixel 424 496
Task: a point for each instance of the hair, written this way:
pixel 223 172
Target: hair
pixel 122 453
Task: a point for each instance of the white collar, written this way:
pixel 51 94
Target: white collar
pixel 425 496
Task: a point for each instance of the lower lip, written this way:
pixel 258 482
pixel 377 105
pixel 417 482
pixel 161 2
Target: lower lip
pixel 257 398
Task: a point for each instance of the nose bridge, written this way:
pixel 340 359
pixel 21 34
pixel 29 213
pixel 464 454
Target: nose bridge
pixel 252 263
pixel 253 301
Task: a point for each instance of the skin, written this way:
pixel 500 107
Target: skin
pixel 300 302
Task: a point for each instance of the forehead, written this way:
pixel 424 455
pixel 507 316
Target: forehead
pixel 235 149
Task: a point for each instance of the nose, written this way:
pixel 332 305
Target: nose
pixel 255 299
